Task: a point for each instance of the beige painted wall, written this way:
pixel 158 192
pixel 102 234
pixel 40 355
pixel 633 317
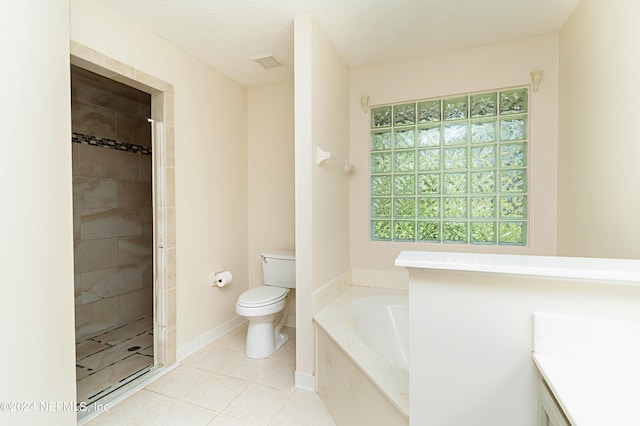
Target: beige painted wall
pixel 271 174
pixel 36 306
pixel 598 154
pixel 210 163
pixel 461 71
pixel 271 177
pixel 322 193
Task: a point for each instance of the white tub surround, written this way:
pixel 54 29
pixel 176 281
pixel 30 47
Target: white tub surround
pixel 363 356
pixel 397 279
pixel 329 292
pixel 383 279
pixel 471 322
pixel 592 367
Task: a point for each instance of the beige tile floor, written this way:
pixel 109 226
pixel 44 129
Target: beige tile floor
pixel 218 385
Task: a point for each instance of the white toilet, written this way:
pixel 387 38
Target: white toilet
pixel 264 306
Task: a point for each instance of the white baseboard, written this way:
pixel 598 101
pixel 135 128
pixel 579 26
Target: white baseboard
pixel 208 337
pixel 305 381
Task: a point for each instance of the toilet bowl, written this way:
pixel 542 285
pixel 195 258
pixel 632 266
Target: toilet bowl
pixel 265 306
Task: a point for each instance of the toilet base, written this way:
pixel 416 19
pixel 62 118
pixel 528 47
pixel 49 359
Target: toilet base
pixel 281 339
pixel 263 340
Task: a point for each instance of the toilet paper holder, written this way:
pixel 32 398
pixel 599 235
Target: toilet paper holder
pixel 221 278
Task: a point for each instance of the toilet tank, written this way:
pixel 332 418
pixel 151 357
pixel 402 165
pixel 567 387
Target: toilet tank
pixel 279 269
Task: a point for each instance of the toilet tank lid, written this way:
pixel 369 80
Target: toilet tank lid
pixel 280 254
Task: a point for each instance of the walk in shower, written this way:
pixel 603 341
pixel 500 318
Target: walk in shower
pixel 113 233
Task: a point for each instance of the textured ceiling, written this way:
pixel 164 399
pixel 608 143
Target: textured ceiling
pixel 227 33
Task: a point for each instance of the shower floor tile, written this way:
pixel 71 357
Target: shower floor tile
pixel 110 359
pixel 125 331
pixel 89 347
pixel 112 355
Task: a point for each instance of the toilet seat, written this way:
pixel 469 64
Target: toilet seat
pixel 262 296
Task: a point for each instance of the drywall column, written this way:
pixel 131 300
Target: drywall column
pixel 36 222
pixel 322 193
pixel 305 345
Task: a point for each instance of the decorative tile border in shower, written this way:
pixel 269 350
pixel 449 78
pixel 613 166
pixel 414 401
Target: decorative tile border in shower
pixel 109 143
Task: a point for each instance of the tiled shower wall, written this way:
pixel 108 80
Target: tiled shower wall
pixel 112 202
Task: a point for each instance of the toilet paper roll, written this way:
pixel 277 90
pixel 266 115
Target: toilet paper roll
pixel 223 278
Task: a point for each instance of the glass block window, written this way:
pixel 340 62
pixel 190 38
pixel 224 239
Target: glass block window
pixel 451 170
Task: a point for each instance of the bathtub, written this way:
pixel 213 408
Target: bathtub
pixel 363 336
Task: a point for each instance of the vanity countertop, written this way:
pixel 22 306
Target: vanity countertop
pixel 593 392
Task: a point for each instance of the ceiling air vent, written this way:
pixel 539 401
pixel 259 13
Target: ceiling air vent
pixel 268 61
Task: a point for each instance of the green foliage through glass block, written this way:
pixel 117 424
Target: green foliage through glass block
pixel 381 185
pixel 454 232
pixel 514 102
pixel 381 141
pixel 429 136
pixel 513 233
pixel 429 183
pixel 484 105
pixel 381 207
pixel 455 158
pixel 483 207
pixel 455 207
pixel 429 111
pixel 381 117
pixel 513 129
pixel 429 231
pixel 455 134
pixel 404 138
pixel 483 131
pixel 454 183
pixel 455 108
pixel 381 230
pixel 429 207
pixel 404 207
pixel 513 207
pixel 404 161
pixel 381 162
pixel 482 182
pixel 429 159
pixel 404 230
pixel 483 232
pixel 451 170
pixel 404 114
pixel 513 154
pixel 404 185
pixel 513 180
pixel 483 157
